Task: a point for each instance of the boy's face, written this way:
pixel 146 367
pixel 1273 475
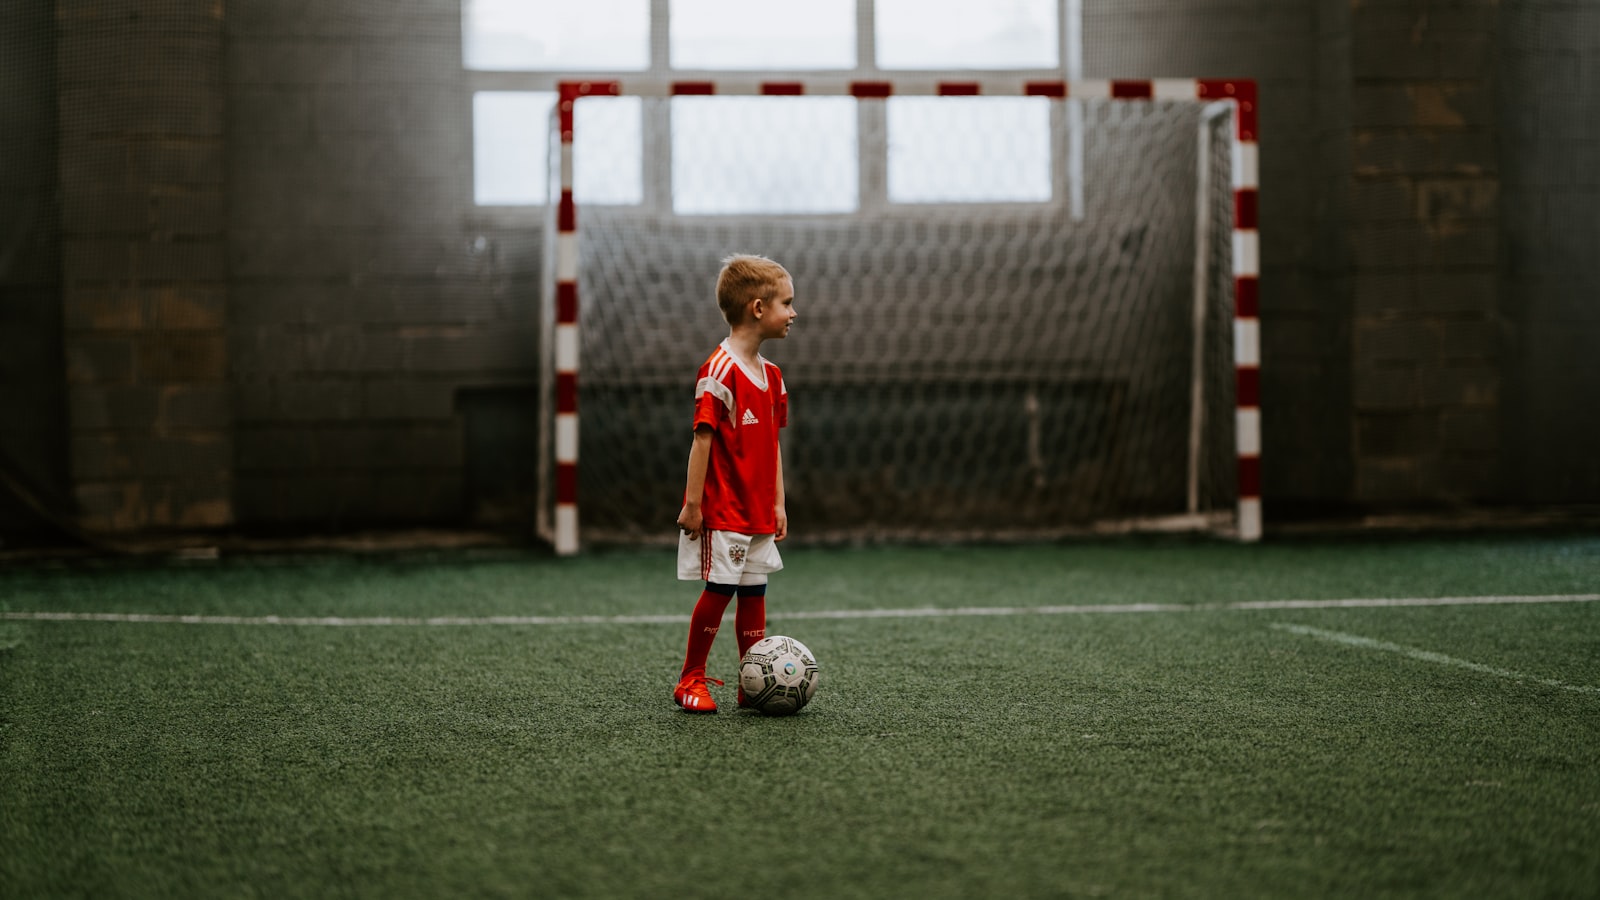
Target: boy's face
pixel 776 313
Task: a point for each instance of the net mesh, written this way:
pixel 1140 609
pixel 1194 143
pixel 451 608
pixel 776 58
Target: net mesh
pixel 957 371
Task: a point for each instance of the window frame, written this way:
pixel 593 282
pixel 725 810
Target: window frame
pixel 871 125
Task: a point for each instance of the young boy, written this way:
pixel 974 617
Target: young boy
pixel 733 513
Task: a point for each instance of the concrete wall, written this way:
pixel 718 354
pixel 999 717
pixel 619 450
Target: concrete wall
pixel 32 428
pixel 1306 454
pixel 144 285
pixel 246 284
pixel 1549 139
pixel 367 291
pixel 1424 184
pixel 1428 229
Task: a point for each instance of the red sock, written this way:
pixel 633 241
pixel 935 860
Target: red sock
pixel 750 616
pixel 703 625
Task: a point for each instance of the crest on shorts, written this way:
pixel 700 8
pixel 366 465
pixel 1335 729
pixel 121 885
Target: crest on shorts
pixel 736 553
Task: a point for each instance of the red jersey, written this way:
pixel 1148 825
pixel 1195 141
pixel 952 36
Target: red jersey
pixel 745 409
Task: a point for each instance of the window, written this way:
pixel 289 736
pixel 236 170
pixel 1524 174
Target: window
pixel 608 147
pixel 775 35
pixel 507 129
pixel 800 156
pixel 830 154
pixel 511 149
pixel 969 150
pixel 541 35
pixel 960 34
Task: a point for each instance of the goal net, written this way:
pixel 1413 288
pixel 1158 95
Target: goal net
pixel 1026 332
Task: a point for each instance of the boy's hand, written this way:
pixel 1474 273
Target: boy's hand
pixel 783 523
pixel 690 520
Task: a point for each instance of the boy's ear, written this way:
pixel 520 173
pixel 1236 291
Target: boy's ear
pixel 757 307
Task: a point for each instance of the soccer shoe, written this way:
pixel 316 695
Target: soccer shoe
pixel 693 695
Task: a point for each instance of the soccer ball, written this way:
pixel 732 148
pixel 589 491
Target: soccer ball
pixel 778 675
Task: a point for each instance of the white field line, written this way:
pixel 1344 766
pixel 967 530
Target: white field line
pixel 910 613
pixel 339 621
pixel 1365 643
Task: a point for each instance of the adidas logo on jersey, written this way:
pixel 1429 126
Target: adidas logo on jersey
pixel 749 418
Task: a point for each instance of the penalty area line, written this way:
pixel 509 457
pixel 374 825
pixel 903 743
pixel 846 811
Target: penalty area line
pixel 1366 643
pixel 678 619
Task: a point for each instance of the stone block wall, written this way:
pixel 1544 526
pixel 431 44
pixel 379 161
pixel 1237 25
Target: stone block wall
pixel 1423 204
pixel 246 284
pixel 144 284
pixel 32 429
pixel 368 291
pixel 1299 61
pixel 1550 277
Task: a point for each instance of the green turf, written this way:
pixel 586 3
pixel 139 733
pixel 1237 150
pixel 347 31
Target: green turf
pixel 1202 753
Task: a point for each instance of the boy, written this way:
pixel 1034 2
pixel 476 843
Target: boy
pixel 733 513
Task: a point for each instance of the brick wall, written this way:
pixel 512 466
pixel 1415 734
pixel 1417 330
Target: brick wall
pixel 1300 65
pixel 32 432
pixel 1429 274
pixel 367 288
pixel 1327 454
pixel 246 284
pixel 1428 386
pixel 144 288
pixel 1550 278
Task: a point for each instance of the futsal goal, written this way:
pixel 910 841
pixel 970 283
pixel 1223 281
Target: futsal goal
pixel 1053 333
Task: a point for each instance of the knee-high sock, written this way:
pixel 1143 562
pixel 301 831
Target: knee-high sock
pixel 750 616
pixel 703 625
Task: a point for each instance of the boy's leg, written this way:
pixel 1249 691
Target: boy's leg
pixel 704 622
pixel 762 560
pixel 750 617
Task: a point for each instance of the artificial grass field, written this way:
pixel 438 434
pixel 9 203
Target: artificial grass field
pixel 1218 751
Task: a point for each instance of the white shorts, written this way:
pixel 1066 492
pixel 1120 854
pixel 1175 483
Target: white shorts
pixel 727 557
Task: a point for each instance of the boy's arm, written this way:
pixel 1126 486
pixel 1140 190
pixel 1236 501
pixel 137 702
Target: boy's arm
pixel 690 517
pixel 781 514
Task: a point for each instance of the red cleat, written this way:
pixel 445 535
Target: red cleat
pixel 693 695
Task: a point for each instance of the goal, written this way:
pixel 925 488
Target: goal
pixel 1036 352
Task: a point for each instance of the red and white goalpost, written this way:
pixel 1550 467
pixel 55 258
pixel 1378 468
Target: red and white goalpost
pixel 559 510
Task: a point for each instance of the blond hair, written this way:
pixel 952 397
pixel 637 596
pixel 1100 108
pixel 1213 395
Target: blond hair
pixel 745 277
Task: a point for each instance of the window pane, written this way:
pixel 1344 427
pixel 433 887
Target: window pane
pixel 607 151
pixel 511 149
pixel 763 34
pixel 606 35
pixel 969 149
pixel 764 155
pixel 960 34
